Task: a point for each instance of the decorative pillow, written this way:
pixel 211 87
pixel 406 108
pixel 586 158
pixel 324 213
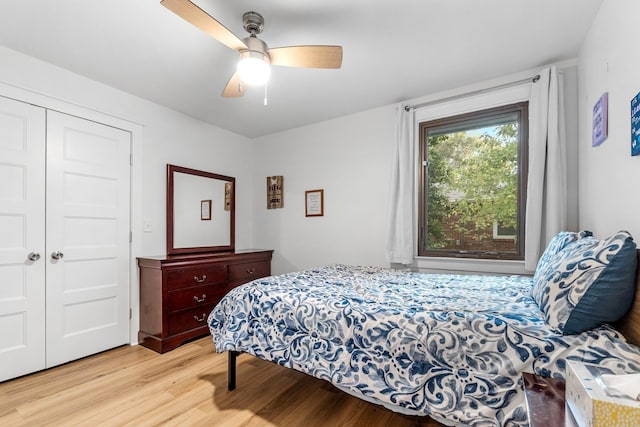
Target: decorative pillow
pixel 588 283
pixel 557 243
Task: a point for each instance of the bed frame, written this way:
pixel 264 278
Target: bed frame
pixel 629 325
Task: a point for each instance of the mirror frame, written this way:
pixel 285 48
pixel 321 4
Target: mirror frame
pixel 171 250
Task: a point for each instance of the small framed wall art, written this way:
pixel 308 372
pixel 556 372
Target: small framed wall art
pixel 205 210
pixel 275 190
pixel 600 119
pixel 635 125
pixel 228 186
pixel 314 202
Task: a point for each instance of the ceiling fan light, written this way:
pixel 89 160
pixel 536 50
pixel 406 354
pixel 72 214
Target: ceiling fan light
pixel 253 71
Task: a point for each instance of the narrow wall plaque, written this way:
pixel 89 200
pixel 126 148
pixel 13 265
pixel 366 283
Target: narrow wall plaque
pixel 275 191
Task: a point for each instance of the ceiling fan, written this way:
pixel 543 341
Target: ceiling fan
pixel 255 56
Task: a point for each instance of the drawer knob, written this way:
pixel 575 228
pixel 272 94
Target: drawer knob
pixel 196 299
pixel 200 280
pixel 250 272
pixel 200 319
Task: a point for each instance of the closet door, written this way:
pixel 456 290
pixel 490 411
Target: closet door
pixel 87 229
pixel 22 281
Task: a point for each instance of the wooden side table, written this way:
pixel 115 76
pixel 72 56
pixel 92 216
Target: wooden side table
pixel 546 404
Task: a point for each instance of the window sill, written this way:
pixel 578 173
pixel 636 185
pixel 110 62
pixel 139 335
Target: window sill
pixel 469 266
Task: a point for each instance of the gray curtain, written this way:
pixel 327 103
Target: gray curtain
pixel 546 212
pixel 401 226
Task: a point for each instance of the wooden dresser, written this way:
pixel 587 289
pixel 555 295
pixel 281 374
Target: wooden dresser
pixel 178 292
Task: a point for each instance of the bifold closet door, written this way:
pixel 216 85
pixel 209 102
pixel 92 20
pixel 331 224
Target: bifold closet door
pixel 87 237
pixel 22 222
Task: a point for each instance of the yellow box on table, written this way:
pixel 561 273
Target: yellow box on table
pixel 593 404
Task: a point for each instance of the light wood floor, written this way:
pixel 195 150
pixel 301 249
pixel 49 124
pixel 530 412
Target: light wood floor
pixel 185 387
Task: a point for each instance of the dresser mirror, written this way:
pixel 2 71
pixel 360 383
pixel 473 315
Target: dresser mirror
pixel 200 211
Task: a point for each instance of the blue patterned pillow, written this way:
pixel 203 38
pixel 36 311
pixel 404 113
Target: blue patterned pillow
pixel 588 283
pixel 557 243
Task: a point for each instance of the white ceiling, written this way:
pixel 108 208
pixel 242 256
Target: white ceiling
pixel 394 50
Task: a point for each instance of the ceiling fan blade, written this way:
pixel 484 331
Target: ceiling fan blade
pixel 307 56
pixel 234 88
pixel 207 23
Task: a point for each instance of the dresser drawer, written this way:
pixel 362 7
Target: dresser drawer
pixel 178 292
pixel 189 319
pixel 246 272
pixel 179 279
pixel 196 297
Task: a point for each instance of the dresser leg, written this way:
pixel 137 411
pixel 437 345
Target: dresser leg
pixel 231 369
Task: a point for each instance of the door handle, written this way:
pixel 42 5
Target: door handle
pixel 33 256
pixel 57 255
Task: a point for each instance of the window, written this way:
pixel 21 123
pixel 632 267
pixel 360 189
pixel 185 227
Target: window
pixel 502 232
pixel 473 184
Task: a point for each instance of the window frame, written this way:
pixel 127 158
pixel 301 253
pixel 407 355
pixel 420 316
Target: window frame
pixel 522 108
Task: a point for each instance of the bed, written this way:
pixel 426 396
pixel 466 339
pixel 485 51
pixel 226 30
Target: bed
pixel 452 347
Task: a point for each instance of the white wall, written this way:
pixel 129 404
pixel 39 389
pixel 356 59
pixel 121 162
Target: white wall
pixel 184 141
pixel 349 158
pixel 609 176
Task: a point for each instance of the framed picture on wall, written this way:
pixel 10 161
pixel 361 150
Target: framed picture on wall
pixel 635 125
pixel 275 192
pixel 205 210
pixel 314 202
pixel 600 120
pixel 228 187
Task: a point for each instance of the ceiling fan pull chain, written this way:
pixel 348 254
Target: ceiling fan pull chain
pixel 265 94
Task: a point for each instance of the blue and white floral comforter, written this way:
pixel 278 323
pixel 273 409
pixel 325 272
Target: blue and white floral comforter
pixel 449 346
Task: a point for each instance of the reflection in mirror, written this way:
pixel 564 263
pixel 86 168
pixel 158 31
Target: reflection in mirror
pixel 200 211
pixel 199 218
